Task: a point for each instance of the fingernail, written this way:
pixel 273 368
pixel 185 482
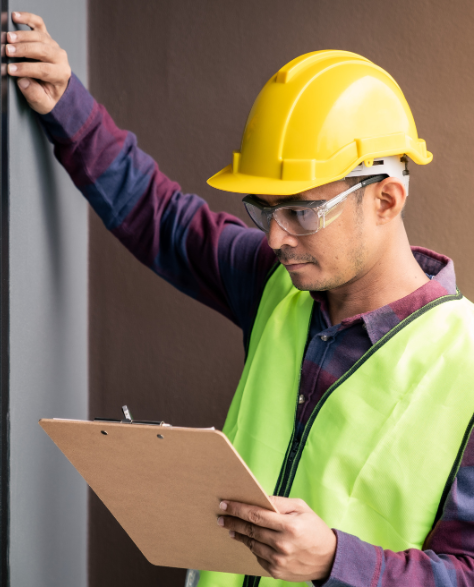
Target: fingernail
pixel 11 49
pixel 12 36
pixel 17 14
pixel 12 68
pixel 231 533
pixel 220 521
pixel 223 505
pixel 23 83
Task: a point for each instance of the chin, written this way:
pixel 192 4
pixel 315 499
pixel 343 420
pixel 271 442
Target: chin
pixel 305 283
pixel 308 283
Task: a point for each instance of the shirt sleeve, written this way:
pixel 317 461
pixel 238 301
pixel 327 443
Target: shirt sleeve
pixel 213 257
pixel 447 558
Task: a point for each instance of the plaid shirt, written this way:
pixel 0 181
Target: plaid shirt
pixel 216 259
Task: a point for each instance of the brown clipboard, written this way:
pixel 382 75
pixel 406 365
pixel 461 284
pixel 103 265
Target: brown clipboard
pixel 164 486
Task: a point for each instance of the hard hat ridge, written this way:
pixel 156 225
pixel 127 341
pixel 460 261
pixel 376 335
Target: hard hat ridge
pixel 319 117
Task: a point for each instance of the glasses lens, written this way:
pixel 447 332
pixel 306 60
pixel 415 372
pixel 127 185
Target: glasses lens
pixel 297 220
pixel 257 215
pixel 334 213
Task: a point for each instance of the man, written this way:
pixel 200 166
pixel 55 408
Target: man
pixel 355 405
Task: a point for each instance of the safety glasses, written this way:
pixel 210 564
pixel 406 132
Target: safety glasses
pixel 300 218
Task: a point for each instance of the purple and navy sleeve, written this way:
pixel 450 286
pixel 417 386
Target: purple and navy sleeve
pixel 217 260
pixel 212 257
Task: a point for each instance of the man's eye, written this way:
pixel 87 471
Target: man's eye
pixel 299 212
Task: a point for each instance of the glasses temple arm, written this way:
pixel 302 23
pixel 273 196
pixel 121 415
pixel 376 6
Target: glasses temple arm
pixel 338 199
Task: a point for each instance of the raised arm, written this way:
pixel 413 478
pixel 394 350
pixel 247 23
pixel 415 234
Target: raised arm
pixel 212 257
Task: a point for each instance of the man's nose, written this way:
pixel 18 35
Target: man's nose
pixel 277 237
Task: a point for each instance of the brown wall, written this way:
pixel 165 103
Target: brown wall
pixel 182 75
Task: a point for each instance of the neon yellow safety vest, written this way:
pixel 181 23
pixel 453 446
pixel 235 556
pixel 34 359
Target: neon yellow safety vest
pixel 383 444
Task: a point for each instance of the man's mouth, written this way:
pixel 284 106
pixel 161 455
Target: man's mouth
pixel 296 262
pixel 294 266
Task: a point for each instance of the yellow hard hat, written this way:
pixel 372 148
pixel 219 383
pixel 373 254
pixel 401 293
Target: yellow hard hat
pixel 320 116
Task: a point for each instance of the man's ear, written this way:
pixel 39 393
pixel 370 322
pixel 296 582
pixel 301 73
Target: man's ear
pixel 389 197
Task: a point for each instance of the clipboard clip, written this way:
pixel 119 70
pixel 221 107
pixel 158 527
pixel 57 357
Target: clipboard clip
pixel 127 414
pixel 129 418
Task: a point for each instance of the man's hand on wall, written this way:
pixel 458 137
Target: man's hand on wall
pixel 293 545
pixel 42 82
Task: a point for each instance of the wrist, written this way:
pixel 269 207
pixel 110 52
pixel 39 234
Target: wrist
pixel 330 555
pixel 67 120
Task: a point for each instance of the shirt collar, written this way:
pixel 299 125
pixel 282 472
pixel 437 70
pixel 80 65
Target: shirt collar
pixel 440 270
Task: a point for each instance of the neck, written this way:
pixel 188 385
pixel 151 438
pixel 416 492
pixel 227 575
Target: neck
pixel 389 278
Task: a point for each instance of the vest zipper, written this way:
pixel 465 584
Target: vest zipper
pixel 294 450
pixel 292 460
pixel 296 447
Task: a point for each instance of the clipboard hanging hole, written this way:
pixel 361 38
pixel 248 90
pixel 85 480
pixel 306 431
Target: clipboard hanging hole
pixel 104 432
pixel 160 436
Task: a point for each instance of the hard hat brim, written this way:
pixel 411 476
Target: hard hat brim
pixel 240 183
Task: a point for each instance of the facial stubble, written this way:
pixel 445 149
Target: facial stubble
pixel 356 249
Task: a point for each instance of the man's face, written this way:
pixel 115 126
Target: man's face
pixel 336 255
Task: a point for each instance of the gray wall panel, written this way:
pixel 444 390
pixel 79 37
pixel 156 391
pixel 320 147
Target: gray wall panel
pixel 48 333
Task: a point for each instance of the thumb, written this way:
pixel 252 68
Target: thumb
pixel 288 505
pixel 35 95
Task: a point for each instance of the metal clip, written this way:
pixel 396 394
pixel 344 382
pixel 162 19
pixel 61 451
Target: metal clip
pixel 127 414
pixel 404 159
pixel 129 419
